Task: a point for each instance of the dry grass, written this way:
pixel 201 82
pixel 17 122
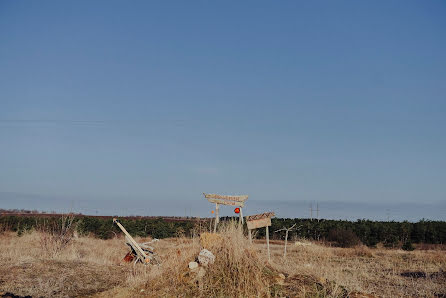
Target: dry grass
pixel 373 271
pixel 88 266
pixel 238 271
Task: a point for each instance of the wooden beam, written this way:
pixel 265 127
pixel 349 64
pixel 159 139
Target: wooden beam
pixel 242 198
pixel 258 223
pixel 145 258
pixel 224 202
pixel 260 216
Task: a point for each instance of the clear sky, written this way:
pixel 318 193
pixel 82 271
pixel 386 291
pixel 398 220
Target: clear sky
pixel 139 107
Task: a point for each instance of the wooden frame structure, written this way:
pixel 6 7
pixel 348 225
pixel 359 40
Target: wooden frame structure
pixel 238 201
pixel 259 221
pixel 287 230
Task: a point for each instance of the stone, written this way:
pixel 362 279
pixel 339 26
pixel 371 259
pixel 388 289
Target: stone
pixel 206 257
pixel 201 272
pixel 193 265
pixel 280 279
pixel 300 243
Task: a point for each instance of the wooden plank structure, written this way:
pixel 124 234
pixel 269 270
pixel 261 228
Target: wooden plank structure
pixel 238 201
pixel 259 221
pixel 143 255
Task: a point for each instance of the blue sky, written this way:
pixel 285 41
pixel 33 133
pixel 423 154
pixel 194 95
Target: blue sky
pixel 153 103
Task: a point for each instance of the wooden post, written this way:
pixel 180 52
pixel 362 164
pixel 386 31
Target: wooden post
pixel 286 240
pixel 241 215
pixel 217 219
pixel 267 243
pixel 217 208
pixel 249 236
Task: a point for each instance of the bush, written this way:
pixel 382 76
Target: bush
pixel 55 235
pixel 343 237
pixel 391 242
pixel 408 246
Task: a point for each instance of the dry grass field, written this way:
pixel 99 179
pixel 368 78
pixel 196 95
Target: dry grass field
pixel 93 267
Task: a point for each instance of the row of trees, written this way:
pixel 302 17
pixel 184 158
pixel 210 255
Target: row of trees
pixel 104 228
pixel 370 233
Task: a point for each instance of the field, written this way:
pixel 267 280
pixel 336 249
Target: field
pixel 88 266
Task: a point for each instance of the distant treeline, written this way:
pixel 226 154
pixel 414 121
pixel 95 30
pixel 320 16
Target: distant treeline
pixel 370 233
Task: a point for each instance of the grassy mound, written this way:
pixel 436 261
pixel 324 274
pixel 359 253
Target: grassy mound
pixel 239 271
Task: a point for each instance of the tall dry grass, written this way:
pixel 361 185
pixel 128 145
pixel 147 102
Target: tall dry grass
pixel 238 271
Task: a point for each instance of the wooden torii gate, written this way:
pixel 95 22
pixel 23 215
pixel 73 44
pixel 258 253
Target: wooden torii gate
pixel 238 201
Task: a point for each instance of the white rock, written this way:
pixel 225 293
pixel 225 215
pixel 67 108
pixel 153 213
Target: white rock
pixel 280 279
pixel 299 243
pixel 206 257
pixel 193 265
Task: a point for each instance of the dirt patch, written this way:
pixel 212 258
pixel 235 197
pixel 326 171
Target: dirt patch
pixel 307 285
pixel 440 275
pixel 414 274
pixel 55 278
pixel 11 295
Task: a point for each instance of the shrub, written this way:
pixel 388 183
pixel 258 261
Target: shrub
pixel 343 237
pixel 55 235
pixel 408 246
pixel 391 241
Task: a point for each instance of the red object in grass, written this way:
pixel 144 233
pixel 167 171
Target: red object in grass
pixel 129 257
pixel 237 210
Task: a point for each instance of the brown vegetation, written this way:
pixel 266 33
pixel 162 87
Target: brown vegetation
pixel 55 236
pixel 93 267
